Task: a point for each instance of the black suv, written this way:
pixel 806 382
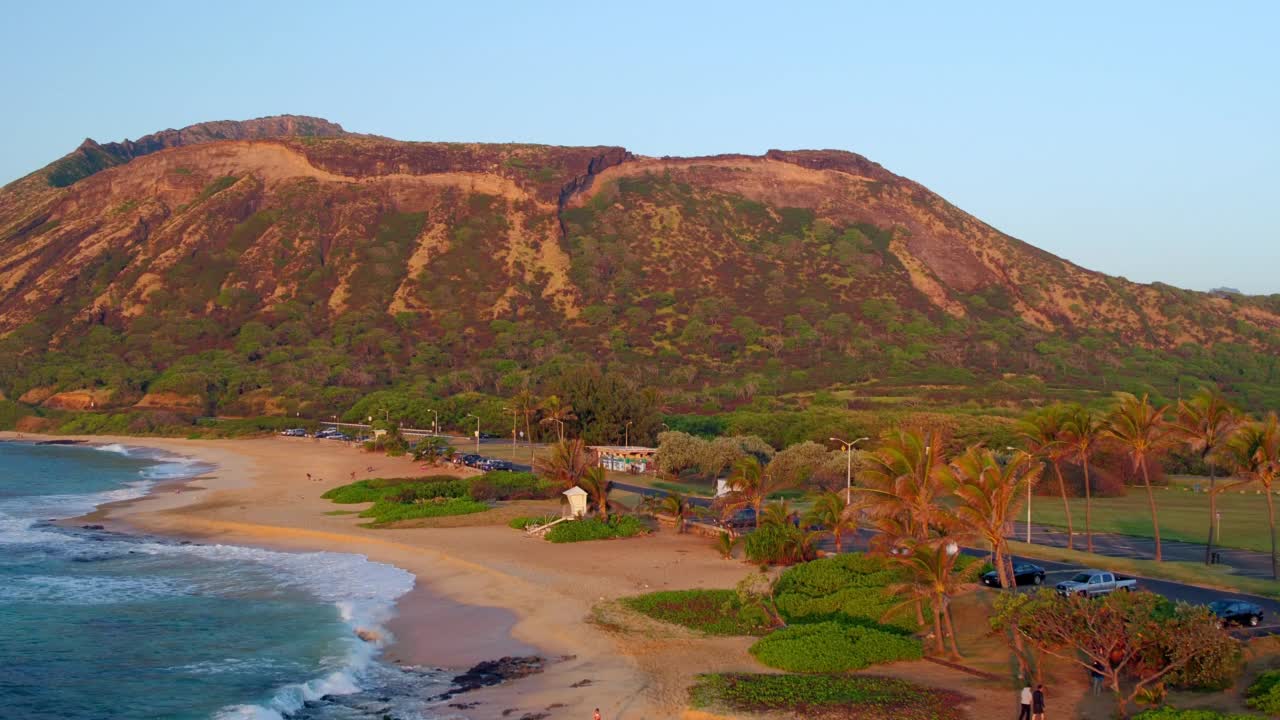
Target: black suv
pixel 1236 612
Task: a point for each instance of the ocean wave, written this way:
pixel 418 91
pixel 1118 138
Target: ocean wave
pixel 64 590
pixel 165 465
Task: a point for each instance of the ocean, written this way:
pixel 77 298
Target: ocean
pixel 96 625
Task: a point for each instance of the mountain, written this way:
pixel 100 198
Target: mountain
pixel 248 266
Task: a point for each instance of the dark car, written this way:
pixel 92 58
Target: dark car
pixel 472 460
pixel 1023 574
pixel 1236 612
pixel 744 518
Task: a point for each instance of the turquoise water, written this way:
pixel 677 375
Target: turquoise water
pixel 104 625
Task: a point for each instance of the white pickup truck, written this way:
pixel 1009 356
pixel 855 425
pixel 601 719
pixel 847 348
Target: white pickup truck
pixel 1093 583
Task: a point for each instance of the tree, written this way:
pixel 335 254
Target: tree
pixel 988 492
pixel 930 569
pixel 679 451
pixel 430 450
pixel 526 405
pixel 831 512
pixel 1139 636
pixel 1254 452
pixel 1043 431
pixel 675 505
pixel 597 485
pixel 749 486
pixel 1205 423
pixel 1082 433
pixel 566 464
pixel 797 463
pixel 556 412
pixel 900 486
pixel 1141 429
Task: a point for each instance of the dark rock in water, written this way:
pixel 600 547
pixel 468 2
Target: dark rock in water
pixel 60 442
pixel 581 683
pixel 492 672
pixel 464 705
pixel 92 527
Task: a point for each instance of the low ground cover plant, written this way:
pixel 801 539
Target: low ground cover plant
pixel 594 528
pixel 715 612
pixel 1264 693
pixel 1167 713
pixel 829 647
pixel 850 586
pixel 838 697
pixel 390 511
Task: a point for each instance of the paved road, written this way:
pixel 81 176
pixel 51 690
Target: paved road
pixel 1113 545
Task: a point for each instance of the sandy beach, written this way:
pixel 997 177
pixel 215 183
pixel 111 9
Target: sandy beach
pixel 483 590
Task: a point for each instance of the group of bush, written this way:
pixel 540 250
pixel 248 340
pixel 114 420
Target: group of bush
pixel 396 499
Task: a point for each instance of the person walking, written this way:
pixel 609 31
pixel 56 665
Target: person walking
pixel 1024 711
pixel 1096 677
pixel 1037 703
pixel 596 715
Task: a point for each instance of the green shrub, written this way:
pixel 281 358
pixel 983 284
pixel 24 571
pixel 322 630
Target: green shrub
pixel 847 587
pixel 618 526
pixel 387 511
pixel 10 413
pixel 776 545
pixel 503 485
pixel 833 647
pixel 374 489
pixel 1167 713
pixel 1264 693
pixel 715 612
pixel 865 697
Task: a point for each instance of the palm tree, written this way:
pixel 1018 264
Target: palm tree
pixel 526 405
pixel 1043 431
pixel 777 513
pixel 1205 424
pixel 675 505
pixel 597 485
pixel 1254 451
pixel 988 493
pixel 566 464
pixel 931 579
pixel 1141 429
pixel 900 484
pixel 1082 433
pixel 556 412
pixel 750 485
pixel 831 512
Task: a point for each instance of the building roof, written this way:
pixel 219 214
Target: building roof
pixel 624 449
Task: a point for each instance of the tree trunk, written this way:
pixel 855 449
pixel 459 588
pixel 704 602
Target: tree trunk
pixel 937 625
pixel 836 533
pixel 951 630
pixel 1271 518
pixel 1001 571
pixel 1151 503
pixel 1213 515
pixel 1066 506
pixel 1088 505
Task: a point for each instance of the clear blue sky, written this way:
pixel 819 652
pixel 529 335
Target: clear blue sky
pixel 1137 138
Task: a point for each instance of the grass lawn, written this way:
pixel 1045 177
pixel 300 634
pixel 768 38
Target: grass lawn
pixel 1184 515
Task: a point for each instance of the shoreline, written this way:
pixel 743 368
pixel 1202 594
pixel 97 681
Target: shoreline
pixel 481 592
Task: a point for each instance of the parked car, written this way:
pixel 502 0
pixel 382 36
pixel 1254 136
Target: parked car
pixel 744 518
pixel 1023 574
pixel 294 432
pixel 1236 612
pixel 471 459
pixel 1094 583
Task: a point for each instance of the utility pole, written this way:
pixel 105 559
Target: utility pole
pixel 626 430
pixel 848 471
pixel 435 424
pixel 514 415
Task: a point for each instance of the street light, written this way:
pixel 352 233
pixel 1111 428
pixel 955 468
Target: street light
pixel 435 424
pixel 513 431
pixel 477 417
pixel 848 471
pixel 626 433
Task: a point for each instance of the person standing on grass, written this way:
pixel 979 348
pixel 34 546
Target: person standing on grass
pixel 1024 711
pixel 1037 703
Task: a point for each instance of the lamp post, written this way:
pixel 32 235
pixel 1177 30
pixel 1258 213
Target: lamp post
pixel 848 470
pixel 435 423
pixel 477 417
pixel 626 434
pixel 513 431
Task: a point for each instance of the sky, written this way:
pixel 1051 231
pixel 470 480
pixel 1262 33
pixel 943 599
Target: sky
pixel 1140 139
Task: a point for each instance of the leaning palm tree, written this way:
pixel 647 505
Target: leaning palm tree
pixel 1254 452
pixel 1082 433
pixel 597 485
pixel 1043 431
pixel 556 412
pixel 566 464
pixel 750 485
pixel 1141 429
pixel 1206 423
pixel 931 578
pixel 830 511
pixel 988 492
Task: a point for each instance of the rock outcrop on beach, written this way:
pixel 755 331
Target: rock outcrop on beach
pixel 293 256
